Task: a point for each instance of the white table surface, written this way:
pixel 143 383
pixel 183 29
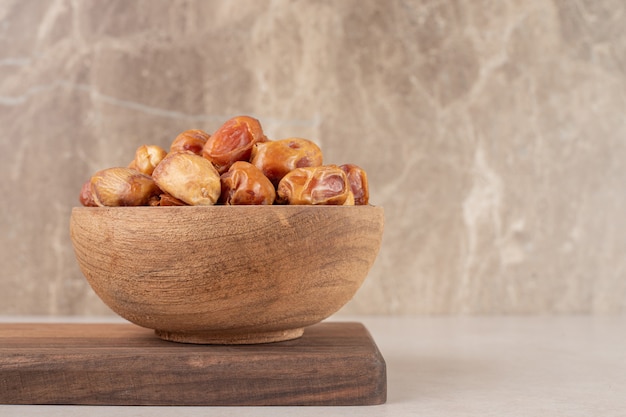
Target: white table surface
pixel 454 366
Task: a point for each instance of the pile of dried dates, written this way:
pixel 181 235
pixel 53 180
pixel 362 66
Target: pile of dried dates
pixel 236 165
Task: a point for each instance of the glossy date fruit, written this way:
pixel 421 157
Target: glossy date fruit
pixel 357 178
pixel 192 140
pixel 276 158
pixel 114 187
pixel 245 184
pixel 314 185
pixel 147 157
pixel 189 178
pixel 233 142
pixel 236 165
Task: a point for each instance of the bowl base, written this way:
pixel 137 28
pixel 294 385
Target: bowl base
pixel 229 338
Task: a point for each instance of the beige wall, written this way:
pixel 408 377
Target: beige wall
pixel 493 132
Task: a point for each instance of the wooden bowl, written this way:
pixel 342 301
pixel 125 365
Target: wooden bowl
pixel 226 274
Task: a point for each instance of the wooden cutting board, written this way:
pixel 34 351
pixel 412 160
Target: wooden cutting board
pixel 334 363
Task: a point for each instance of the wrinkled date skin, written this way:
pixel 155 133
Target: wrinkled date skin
pixel 189 178
pixel 314 185
pixel 147 157
pixel 114 187
pixel 245 184
pixel 236 165
pixel 190 141
pixel 233 142
pixel 86 197
pixel 276 158
pixel 357 178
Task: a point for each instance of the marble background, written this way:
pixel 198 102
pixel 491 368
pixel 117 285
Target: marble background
pixel 493 133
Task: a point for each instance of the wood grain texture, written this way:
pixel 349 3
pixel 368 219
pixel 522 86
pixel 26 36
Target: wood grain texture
pixel 122 364
pixel 226 274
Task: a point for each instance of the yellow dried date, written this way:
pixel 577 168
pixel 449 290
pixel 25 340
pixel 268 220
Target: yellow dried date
pixel 147 157
pixel 114 187
pixel 188 177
